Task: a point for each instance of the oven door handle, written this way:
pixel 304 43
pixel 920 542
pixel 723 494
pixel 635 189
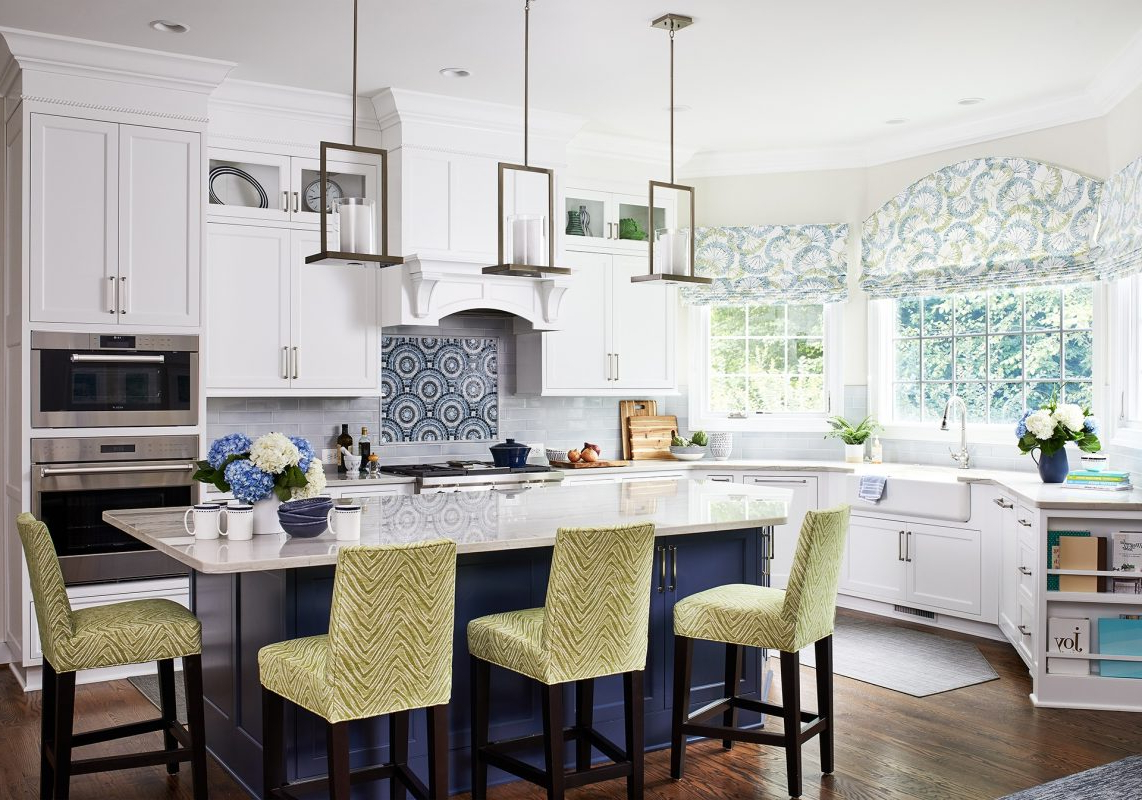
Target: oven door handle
pixel 46 471
pixel 108 358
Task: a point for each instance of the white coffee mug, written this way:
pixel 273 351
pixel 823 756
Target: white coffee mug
pixel 207 520
pixel 347 527
pixel 239 522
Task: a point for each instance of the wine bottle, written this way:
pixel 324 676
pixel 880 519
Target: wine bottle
pixel 364 445
pixel 346 441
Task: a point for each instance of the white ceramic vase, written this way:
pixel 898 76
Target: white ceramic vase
pixel 854 453
pixel 266 515
pixel 721 444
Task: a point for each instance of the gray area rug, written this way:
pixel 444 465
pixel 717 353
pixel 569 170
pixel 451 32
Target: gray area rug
pixel 904 660
pixel 148 686
pixel 1120 780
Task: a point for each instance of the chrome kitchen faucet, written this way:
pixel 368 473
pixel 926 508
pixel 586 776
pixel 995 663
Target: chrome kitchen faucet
pixel 962 457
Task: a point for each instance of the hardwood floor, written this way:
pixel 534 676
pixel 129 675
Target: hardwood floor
pixel 977 743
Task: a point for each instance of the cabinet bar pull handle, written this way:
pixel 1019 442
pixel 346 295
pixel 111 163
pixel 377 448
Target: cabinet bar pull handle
pixel 1023 630
pixel 1025 523
pixel 661 569
pixel 296 361
pixel 295 202
pixel 779 480
pixel 999 501
pixel 111 294
pixel 616 366
pixel 900 546
pixel 1024 571
pixel 609 373
pixel 673 568
pixel 285 363
pixel 123 295
pixel 908 547
pixel 285 202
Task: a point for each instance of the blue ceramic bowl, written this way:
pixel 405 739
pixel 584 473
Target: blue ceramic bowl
pixel 309 508
pixel 303 530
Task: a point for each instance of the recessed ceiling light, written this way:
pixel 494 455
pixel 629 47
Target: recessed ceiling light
pixel 896 121
pixel 455 72
pixel 970 101
pixel 166 26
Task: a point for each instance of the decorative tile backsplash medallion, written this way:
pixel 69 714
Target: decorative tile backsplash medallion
pixel 438 389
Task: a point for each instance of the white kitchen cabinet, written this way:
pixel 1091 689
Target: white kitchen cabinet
pixel 606 211
pixel 1010 564
pixel 281 326
pixel 115 223
pixel 874 564
pixel 805 498
pixel 619 336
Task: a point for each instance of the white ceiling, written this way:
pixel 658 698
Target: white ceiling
pixel 759 75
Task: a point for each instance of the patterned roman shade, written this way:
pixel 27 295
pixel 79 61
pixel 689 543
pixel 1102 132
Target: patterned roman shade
pixel 1119 251
pixel 987 222
pixel 771 264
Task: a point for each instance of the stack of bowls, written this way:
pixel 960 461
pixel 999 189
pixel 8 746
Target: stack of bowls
pixel 305 518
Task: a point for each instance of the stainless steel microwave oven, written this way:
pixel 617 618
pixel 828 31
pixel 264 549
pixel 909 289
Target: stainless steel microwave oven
pixel 96 380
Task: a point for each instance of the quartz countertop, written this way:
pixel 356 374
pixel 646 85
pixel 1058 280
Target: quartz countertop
pixel 476 521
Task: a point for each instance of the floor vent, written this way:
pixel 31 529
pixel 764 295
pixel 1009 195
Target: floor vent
pixel 914 612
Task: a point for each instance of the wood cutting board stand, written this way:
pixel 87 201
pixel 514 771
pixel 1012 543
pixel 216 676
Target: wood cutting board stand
pixel 633 408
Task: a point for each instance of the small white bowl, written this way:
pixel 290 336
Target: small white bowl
pixel 1094 463
pixel 692 453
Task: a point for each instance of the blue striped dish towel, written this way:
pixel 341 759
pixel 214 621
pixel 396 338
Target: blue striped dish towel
pixel 871 488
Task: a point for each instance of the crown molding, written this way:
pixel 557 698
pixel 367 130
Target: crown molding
pixel 598 144
pixel 65 55
pixel 1119 78
pixel 295 104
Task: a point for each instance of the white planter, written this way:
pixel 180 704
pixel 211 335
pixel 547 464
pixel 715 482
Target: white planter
pixel 721 445
pixel 266 515
pixel 854 453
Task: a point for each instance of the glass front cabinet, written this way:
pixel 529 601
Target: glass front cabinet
pixel 611 221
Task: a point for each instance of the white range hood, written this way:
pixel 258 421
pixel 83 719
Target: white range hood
pixel 443 153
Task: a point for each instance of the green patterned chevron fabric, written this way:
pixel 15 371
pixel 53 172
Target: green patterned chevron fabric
pixel 102 636
pixel 389 646
pixel 595 618
pixel 782 620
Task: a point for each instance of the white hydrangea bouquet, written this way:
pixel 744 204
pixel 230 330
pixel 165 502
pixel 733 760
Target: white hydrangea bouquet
pixel 253 469
pixel 1052 426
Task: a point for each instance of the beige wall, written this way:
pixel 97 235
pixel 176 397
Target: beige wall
pixel 1124 131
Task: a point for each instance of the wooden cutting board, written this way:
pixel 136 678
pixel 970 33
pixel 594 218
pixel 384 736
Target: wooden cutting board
pixel 586 464
pixel 633 408
pixel 650 437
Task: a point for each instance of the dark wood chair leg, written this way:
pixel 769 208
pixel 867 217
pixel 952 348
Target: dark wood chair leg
pixel 683 658
pixel 195 723
pixel 824 652
pixel 584 719
pixel 791 705
pixel 398 752
pixel 635 739
pixel 733 678
pixel 65 709
pixel 437 752
pixel 167 709
pixel 553 740
pixel 47 728
pixel 480 688
pixel 273 742
pixel 337 748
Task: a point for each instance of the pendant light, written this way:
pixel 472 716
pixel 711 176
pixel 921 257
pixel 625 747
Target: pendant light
pixel 357 243
pixel 525 242
pixel 672 249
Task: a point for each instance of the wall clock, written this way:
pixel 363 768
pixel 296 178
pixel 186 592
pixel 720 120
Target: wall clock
pixel 313 194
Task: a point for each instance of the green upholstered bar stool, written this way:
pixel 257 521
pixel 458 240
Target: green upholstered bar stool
pixel 134 632
pixel 388 651
pixel 757 616
pixel 594 623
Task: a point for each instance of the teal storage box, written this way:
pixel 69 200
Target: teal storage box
pixel 1120 637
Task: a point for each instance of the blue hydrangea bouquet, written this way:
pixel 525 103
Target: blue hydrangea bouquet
pixel 254 469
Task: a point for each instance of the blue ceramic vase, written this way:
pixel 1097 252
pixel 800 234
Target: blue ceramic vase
pixel 1053 468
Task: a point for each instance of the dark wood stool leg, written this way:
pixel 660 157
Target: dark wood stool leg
pixel 398 751
pixel 683 657
pixel 824 653
pixel 167 709
pixel 195 723
pixel 584 719
pixel 553 740
pixel 635 739
pixel 733 678
pixel 437 752
pixel 47 728
pixel 273 742
pixel 791 705
pixel 65 709
pixel 337 747
pixel 480 688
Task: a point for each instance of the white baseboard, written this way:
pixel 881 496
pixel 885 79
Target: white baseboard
pixel 31 681
pixel 6 656
pixel 984 630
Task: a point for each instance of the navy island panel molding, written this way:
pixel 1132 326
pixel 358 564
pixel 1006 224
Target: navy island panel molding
pixel 436 389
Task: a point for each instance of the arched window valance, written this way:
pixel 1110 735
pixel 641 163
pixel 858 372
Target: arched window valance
pixel 982 223
pixel 1119 250
pixel 771 264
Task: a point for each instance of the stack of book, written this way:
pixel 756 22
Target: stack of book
pixel 1104 481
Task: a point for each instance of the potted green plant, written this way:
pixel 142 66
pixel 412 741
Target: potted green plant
pixel 854 436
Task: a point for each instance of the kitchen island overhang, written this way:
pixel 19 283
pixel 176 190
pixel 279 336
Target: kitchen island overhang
pixel 249 594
